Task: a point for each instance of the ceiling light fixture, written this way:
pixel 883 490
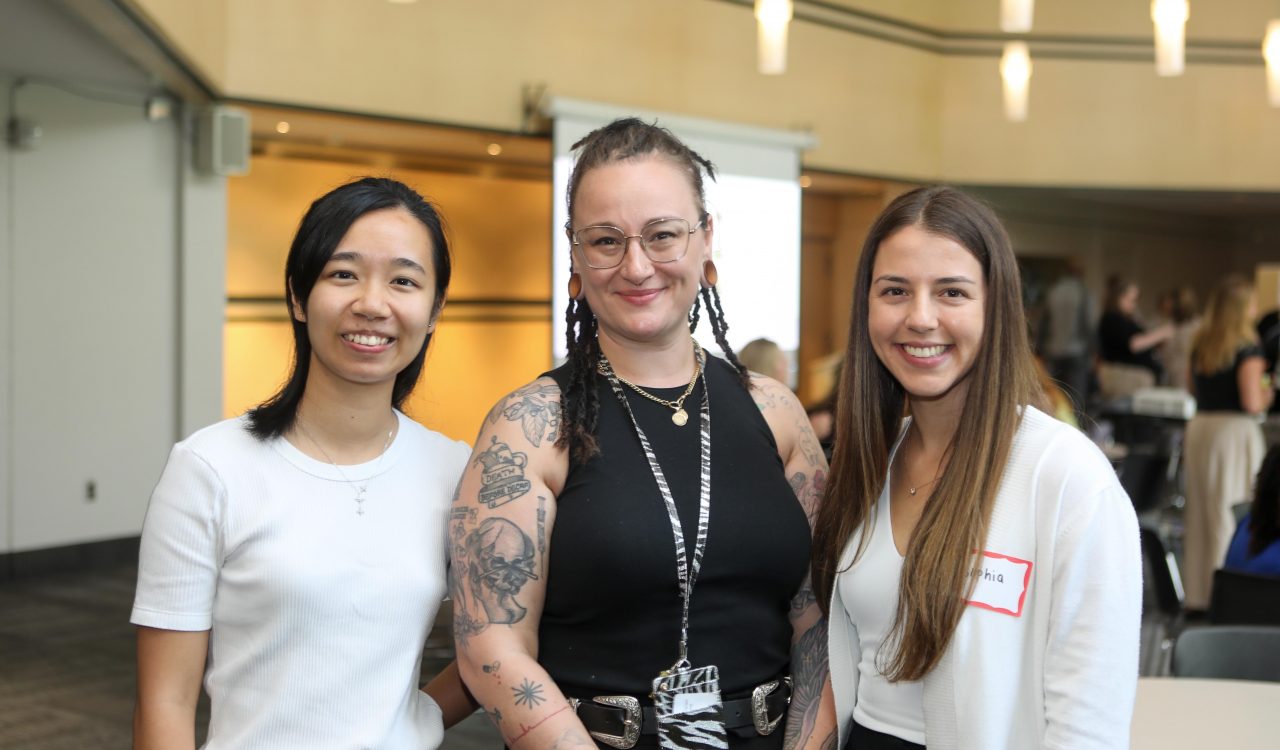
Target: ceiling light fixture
pixel 772 19
pixel 1170 18
pixel 1271 53
pixel 1015 15
pixel 1015 71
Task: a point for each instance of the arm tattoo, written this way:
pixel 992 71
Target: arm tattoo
pixel 499 564
pixel 503 474
pixel 536 407
pixel 465 623
pixel 528 694
pixel 529 728
pixel 542 529
pixel 809 672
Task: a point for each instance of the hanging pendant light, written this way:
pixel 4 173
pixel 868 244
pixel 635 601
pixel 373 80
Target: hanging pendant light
pixel 772 19
pixel 1015 15
pixel 1170 18
pixel 1015 71
pixel 1271 53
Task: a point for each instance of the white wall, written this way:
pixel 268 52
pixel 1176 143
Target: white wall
pixel 112 257
pixel 93 318
pixel 6 347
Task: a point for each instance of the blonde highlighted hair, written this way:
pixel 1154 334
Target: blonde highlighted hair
pixel 1226 327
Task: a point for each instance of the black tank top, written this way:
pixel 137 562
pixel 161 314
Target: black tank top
pixel 611 620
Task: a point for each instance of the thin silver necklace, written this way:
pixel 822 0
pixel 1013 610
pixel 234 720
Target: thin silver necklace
pixel 360 489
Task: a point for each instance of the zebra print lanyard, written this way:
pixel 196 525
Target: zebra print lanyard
pixel 686 574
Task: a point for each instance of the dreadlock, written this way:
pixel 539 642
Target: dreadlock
pixel 623 139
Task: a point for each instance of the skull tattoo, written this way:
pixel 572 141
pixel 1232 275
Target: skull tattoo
pixel 501 562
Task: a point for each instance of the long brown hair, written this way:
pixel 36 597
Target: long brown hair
pixel 1226 326
pixel 936 576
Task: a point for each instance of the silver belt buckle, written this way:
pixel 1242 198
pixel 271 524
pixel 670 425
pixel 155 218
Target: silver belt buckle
pixel 760 711
pixel 630 722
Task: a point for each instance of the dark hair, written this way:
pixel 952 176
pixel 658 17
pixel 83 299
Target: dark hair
pixel 628 138
pixel 1185 304
pixel 1264 515
pixel 322 228
pixel 935 574
pixel 1117 287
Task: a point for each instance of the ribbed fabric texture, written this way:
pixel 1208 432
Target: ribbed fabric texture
pixel 318 615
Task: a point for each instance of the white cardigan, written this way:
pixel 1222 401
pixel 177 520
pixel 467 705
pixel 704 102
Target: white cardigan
pixel 1063 673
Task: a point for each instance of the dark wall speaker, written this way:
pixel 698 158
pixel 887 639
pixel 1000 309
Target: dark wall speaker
pixel 222 141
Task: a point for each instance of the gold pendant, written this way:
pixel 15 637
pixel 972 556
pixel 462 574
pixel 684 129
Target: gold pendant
pixel 681 417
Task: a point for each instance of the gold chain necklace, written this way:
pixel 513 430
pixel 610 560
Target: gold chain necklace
pixel 360 489
pixel 680 417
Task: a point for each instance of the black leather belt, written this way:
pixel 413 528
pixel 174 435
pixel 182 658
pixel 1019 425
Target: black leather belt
pixel 612 719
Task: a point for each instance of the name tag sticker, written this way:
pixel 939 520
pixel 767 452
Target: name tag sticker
pixel 1002 583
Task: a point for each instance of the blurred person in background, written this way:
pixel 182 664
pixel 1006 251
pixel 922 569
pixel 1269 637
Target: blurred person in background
pixel 1125 349
pixel 1255 548
pixel 1269 337
pixel 767 358
pixel 1175 354
pixel 1068 334
pixel 1224 445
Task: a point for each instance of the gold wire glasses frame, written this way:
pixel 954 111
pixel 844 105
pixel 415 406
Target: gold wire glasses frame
pixel 662 240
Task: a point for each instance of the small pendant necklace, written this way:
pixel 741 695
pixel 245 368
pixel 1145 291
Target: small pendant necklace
pixel 680 417
pixel 360 489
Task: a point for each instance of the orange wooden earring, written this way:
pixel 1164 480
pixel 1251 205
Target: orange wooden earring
pixel 709 274
pixel 575 286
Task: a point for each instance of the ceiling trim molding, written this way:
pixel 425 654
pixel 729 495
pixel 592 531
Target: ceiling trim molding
pixel 1097 47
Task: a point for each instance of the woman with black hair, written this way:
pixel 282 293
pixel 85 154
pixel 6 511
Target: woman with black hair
pixel 1255 548
pixel 294 557
pixel 629 546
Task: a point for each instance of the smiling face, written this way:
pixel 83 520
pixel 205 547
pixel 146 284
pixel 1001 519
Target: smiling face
pixel 640 301
pixel 368 313
pixel 926 313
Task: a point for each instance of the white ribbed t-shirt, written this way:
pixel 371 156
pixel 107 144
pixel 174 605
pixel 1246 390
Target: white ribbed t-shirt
pixel 317 615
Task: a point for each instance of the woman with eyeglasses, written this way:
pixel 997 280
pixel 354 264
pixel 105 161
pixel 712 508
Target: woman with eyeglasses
pixel 293 558
pixel 978 559
pixel 630 542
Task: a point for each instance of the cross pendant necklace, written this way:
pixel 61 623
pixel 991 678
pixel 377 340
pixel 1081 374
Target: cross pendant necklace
pixel 360 489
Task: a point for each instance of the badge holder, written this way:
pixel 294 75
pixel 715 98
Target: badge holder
pixel 689 710
pixel 686 699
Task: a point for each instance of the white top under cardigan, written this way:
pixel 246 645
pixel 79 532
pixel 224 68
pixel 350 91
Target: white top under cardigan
pixel 1061 676
pixel 318 615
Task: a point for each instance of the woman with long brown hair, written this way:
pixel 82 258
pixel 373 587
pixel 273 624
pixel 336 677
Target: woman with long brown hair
pixel 1224 441
pixel 978 560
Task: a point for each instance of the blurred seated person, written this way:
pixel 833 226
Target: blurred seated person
pixel 1255 548
pixel 1125 349
pixel 766 358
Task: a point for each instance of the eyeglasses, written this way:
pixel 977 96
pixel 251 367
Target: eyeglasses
pixel 663 241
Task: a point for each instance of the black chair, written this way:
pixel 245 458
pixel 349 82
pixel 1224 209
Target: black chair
pixel 1166 589
pixel 1228 652
pixel 1150 471
pixel 1244 599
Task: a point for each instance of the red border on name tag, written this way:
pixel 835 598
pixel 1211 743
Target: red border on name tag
pixel 1026 581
